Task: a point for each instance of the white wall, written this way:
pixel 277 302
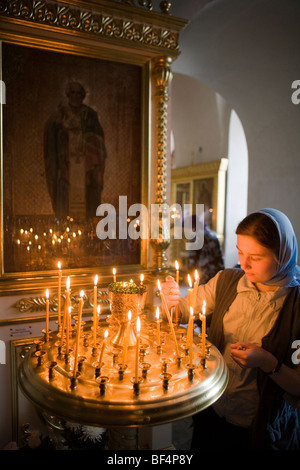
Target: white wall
pixel 248 51
pixel 237 187
pixel 200 120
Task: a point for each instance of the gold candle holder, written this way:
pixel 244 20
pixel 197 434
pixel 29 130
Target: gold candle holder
pixel 191 368
pixel 40 357
pixel 165 377
pixel 51 365
pixel 125 297
pixel 145 368
pixel 136 385
pixel 102 381
pixel 122 368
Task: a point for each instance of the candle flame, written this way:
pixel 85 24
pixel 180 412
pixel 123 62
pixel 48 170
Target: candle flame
pixel 189 280
pixel 70 309
pixel 105 334
pixel 138 324
pixel 191 311
pixel 157 313
pixel 142 277
pixel 129 315
pixel 81 293
pixel 203 307
pixel 196 275
pixel 59 265
pixel 98 309
pixel 96 280
pixel 176 265
pixel 114 271
pixel 158 285
pixel 47 293
pixel 68 282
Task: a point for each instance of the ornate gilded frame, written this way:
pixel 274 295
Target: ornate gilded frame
pixel 121 32
pixel 214 173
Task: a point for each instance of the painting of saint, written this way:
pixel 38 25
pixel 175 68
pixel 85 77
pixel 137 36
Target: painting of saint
pixel 75 157
pixel 72 141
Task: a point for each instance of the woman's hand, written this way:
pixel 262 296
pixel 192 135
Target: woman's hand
pixel 251 355
pixel 171 291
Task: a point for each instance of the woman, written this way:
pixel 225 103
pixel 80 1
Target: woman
pixel 255 323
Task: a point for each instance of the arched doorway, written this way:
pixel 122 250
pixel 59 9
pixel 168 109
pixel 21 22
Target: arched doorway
pixel 237 186
pixel 204 128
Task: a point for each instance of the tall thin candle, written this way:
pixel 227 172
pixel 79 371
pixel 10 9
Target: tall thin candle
pixel 126 338
pixel 158 326
pixel 63 325
pixel 66 307
pixel 195 289
pixel 68 330
pixel 165 307
pixel 190 297
pixel 80 306
pixel 191 335
pixel 59 295
pixel 47 315
pixel 203 319
pixel 103 347
pixel 177 271
pixel 138 327
pixel 95 310
pixel 177 280
pixel 190 291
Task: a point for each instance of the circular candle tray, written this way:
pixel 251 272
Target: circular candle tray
pixel 111 394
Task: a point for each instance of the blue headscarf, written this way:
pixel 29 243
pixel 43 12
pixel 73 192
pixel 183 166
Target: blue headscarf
pixel 288 273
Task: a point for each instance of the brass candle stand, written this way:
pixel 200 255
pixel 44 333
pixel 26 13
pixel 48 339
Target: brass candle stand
pixel 123 391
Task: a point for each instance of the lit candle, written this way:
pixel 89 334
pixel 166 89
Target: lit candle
pixel 68 330
pixel 126 338
pixel 47 315
pixel 177 271
pixel 95 310
pixel 59 294
pixel 165 307
pixel 158 326
pixel 138 327
pixel 177 280
pixel 78 331
pixel 195 288
pixel 141 279
pixel 103 347
pixel 114 274
pixel 203 319
pixel 63 325
pixel 66 306
pixel 191 335
pixel 190 291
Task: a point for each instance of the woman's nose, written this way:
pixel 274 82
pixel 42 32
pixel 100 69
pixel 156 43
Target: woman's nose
pixel 245 263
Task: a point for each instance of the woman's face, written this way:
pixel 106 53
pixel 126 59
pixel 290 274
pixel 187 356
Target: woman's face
pixel 258 262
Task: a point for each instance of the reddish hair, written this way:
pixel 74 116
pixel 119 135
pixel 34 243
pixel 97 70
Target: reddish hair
pixel 262 228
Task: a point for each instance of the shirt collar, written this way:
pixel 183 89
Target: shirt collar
pixel 245 285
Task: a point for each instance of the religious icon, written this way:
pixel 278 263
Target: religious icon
pixel 75 153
